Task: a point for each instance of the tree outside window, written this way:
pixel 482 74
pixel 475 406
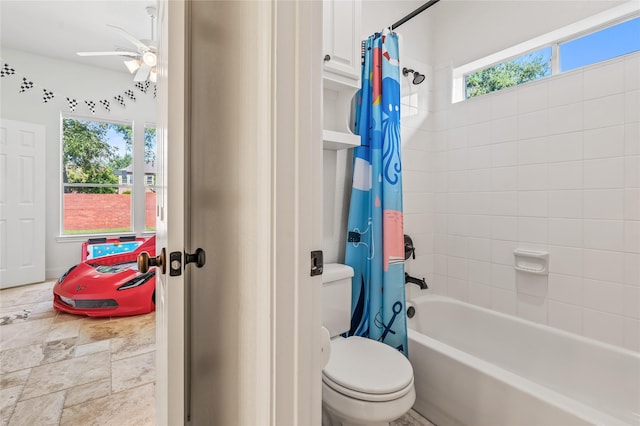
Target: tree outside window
pixel 97 193
pixel 150 177
pixel 509 73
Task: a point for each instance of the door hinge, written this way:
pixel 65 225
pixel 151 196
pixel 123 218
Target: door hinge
pixel 316 263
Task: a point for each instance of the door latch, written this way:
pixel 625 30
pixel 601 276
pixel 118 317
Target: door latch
pixel 316 263
pixel 175 264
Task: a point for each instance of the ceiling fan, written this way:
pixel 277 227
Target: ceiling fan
pixel 144 59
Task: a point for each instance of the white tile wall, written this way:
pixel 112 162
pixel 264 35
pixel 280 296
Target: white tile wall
pixel 565 175
pixel 604 173
pixel 532 203
pixel 602 326
pixel 566 89
pixel 604 80
pixel 533 176
pixel 604 204
pixel 604 234
pixel 564 316
pixel 533 151
pixel 632 138
pixel 552 165
pixel 503 300
pixel 566 204
pixel 532 308
pixel 565 119
pixel 565 232
pixel 534 124
pixel 603 112
pixel 604 142
pixel 565 147
pixel 479 294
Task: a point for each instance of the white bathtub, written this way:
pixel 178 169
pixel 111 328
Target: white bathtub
pixel 475 366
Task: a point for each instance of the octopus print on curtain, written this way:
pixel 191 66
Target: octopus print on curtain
pixel 375 240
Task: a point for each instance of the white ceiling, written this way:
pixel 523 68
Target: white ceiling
pixel 60 28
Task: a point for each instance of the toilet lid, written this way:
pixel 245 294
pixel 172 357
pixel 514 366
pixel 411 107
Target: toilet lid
pixel 367 366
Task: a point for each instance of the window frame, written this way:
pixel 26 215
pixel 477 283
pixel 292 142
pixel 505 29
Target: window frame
pixel 608 18
pixel 552 58
pixel 118 186
pixel 153 185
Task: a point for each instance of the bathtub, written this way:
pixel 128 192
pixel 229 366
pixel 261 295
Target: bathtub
pixel 475 366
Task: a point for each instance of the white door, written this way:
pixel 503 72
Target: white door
pixel 22 198
pixel 239 148
pixel 170 318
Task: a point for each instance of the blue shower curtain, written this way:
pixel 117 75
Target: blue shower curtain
pixel 375 240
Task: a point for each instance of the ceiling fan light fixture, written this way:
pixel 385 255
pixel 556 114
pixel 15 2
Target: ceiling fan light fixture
pixel 132 65
pixel 149 58
pixel 153 76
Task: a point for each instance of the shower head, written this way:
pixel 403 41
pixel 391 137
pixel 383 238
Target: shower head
pixel 417 77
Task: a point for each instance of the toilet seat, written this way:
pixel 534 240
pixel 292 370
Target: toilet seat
pixel 367 370
pixel 364 396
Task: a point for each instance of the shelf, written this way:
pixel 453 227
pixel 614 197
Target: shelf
pixel 339 140
pixel 339 82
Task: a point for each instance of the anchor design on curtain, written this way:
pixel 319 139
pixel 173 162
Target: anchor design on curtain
pixel 375 240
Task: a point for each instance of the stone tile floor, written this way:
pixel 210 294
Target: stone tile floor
pixel 412 418
pixel 61 369
pixel 57 368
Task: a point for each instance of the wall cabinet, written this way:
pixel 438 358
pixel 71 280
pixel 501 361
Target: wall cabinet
pixel 341 41
pixel 341 72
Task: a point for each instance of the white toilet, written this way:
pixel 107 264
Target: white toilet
pixel 365 382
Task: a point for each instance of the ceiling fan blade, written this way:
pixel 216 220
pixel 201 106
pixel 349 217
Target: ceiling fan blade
pixel 111 53
pixel 143 73
pixel 140 45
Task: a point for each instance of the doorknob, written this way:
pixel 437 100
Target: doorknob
pixel 199 258
pixel 145 261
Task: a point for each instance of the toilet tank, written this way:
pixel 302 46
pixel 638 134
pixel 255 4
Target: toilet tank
pixel 336 298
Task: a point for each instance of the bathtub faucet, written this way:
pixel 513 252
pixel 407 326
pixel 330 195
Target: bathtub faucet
pixel 422 283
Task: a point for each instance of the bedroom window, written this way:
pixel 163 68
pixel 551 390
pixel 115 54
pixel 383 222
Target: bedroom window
pixel 150 178
pixel 97 176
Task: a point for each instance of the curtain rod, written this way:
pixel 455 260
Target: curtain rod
pixel 418 11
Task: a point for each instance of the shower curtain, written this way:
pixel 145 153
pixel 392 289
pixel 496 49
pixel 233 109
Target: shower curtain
pixel 375 240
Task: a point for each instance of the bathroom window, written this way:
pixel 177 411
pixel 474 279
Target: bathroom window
pixel 604 36
pixel 522 69
pixel 608 43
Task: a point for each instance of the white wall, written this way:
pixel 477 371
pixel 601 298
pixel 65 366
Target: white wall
pixel 461 31
pixel 551 165
pixel 81 82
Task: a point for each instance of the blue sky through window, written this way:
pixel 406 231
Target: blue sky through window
pixel 602 45
pixel 116 140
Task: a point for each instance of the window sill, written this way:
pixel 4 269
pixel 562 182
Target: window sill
pixel 84 237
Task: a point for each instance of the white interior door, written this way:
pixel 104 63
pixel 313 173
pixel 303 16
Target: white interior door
pixel 22 199
pixel 254 165
pixel 170 324
pixel 239 156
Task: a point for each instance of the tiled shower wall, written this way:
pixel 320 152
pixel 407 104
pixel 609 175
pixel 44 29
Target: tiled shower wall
pixel 552 165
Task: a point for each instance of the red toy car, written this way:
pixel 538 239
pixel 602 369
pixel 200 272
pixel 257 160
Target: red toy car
pixel 108 286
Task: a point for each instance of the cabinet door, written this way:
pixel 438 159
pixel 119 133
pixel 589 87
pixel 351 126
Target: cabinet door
pixel 341 38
